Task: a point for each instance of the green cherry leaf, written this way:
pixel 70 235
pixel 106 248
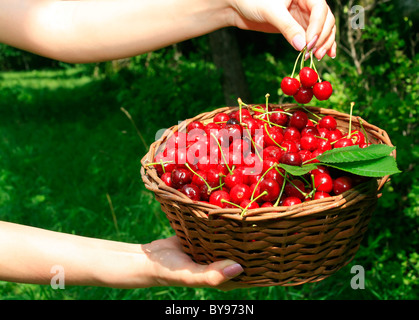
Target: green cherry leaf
pixel 376 168
pixel 355 153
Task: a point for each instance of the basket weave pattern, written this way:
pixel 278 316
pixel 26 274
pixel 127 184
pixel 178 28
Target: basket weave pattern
pixel 284 246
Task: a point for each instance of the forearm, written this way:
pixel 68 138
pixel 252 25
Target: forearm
pixel 87 31
pixel 27 255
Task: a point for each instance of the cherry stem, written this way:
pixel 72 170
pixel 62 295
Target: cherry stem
pixel 240 108
pixel 312 113
pixel 321 138
pixel 189 167
pixel 260 179
pixel 302 60
pixel 254 144
pixel 270 123
pixel 255 199
pixel 296 61
pixel 288 180
pixel 267 107
pixel 269 135
pixel 350 119
pixel 312 64
pixel 222 153
pixel 363 129
pixel 311 194
pixel 161 163
pixel 282 189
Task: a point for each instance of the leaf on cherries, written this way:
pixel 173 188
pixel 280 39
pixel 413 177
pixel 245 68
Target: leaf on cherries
pixel 372 161
pixel 355 153
pixel 369 168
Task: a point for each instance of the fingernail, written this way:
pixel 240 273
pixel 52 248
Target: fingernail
pixel 233 270
pixel 307 55
pixel 312 43
pixel 299 42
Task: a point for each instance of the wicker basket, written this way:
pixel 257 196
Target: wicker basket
pixel 284 246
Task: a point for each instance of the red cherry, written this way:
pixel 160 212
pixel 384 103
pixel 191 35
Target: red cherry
pixel 298 120
pixel 289 146
pixel 292 159
pixel 321 195
pixel 305 155
pixel 324 145
pixel 217 196
pixel 279 117
pixel 303 95
pixel 239 193
pixel 250 124
pixel 357 137
pixel 244 114
pixel 212 128
pixel 334 135
pixel 221 117
pixel 191 191
pixel 315 154
pixel 245 203
pixel 322 90
pixel 271 187
pixel 309 142
pixel 308 77
pixel 275 175
pixel 195 125
pixel 267 163
pixel 233 179
pixel 180 177
pixel 320 169
pixel 167 178
pixel 323 182
pixel 342 184
pixel 290 201
pixel 267 205
pixel 255 189
pixel 272 152
pixel 295 188
pixel 292 133
pixel 343 142
pixel 309 129
pixel 198 179
pixel 328 122
pixel 273 136
pixel 290 86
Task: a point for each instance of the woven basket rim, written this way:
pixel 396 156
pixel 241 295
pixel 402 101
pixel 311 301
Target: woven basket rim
pixel 208 211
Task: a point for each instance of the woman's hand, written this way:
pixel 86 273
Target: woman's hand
pixel 302 22
pixel 172 267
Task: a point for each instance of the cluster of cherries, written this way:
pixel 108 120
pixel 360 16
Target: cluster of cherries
pixel 306 84
pixel 232 161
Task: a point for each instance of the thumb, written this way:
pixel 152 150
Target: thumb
pixel 289 27
pixel 217 273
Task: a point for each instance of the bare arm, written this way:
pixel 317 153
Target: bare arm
pixel 86 31
pixel 28 254
pixel 90 31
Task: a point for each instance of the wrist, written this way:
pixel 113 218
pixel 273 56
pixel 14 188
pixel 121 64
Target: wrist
pixel 124 266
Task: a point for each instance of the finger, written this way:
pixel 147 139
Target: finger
pixel 318 14
pixel 293 32
pixel 327 31
pixel 321 52
pixel 214 274
pixel 332 52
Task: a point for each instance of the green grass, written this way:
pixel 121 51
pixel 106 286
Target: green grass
pixel 66 146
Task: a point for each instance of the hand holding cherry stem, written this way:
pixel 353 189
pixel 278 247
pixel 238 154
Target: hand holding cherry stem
pixel 307 83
